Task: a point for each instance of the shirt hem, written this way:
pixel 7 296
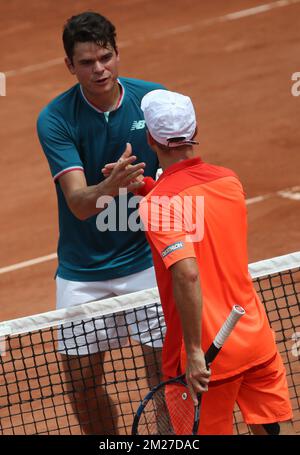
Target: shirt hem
pixel 101 275
pixel 276 418
pixel 65 171
pixel 254 363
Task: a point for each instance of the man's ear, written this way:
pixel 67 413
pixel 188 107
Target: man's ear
pixel 150 139
pixel 69 65
pixel 152 143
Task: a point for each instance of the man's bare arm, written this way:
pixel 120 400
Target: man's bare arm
pixel 82 199
pixel 188 298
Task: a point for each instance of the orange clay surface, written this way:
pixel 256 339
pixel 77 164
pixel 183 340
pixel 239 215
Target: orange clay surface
pixel 238 73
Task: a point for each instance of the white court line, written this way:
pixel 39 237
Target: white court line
pixel 226 18
pixel 36 67
pixel 292 193
pixel 181 29
pixel 22 265
pixel 16 28
pixel 259 9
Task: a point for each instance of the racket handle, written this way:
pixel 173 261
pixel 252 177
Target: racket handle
pixel 236 313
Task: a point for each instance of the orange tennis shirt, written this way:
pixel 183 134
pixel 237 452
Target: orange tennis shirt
pixel 197 210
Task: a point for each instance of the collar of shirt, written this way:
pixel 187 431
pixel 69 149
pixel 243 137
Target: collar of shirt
pixel 119 102
pixel 181 165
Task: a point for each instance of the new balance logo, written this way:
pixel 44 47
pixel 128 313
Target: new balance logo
pixel 138 125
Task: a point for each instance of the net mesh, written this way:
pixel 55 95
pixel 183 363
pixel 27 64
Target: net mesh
pixel 45 391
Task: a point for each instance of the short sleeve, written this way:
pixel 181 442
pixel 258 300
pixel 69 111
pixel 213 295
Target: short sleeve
pixel 58 144
pixel 164 224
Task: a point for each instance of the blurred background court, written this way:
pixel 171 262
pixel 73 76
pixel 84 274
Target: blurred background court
pixel 235 58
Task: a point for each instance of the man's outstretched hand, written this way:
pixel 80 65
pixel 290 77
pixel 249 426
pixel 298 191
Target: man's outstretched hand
pixel 124 174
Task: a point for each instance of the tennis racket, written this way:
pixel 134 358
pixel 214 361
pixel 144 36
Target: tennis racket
pixel 168 408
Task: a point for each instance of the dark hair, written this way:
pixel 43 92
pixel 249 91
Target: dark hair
pixel 88 26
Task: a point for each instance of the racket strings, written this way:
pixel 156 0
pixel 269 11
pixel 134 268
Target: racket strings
pixel 155 419
pixel 169 412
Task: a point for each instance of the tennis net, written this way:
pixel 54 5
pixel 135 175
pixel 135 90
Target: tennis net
pixel 45 391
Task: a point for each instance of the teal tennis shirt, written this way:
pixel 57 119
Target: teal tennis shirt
pixel 76 135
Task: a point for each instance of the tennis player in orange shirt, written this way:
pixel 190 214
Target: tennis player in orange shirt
pixel 196 222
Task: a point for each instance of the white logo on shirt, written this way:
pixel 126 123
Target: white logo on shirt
pixel 138 125
pixel 171 248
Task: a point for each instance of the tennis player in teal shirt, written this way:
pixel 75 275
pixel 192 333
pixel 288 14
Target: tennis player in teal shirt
pixel 97 121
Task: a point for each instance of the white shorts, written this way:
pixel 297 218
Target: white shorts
pixel 102 334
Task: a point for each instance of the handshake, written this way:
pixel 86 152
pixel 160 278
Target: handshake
pixel 124 174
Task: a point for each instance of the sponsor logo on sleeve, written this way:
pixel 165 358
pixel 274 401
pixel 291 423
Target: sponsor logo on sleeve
pixel 172 248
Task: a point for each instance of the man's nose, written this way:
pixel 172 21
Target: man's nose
pixel 98 67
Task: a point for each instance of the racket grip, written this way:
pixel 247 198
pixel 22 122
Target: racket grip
pixel 236 313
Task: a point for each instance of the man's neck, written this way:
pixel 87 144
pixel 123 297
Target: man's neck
pixel 106 102
pixel 167 159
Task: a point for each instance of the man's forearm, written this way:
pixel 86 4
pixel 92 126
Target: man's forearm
pixel 187 293
pixel 85 202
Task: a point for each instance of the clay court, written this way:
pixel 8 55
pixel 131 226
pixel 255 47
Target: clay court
pixel 235 58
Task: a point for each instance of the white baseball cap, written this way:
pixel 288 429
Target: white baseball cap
pixel 170 117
